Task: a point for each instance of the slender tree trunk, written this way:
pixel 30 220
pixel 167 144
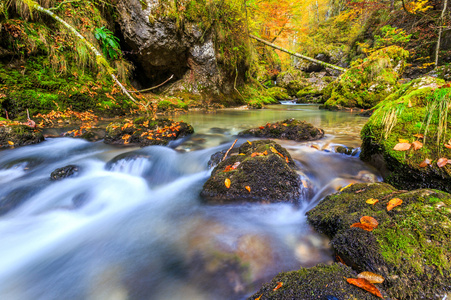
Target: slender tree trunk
pixel 100 59
pixel 441 20
pixel 299 55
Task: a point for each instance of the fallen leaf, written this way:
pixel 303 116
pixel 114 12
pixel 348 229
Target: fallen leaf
pixel 417 145
pixel 448 145
pixel 363 226
pixel 369 221
pixel 372 201
pixel 273 150
pixel 248 188
pixel 371 277
pixel 11 143
pixel 227 182
pixel 409 104
pixel 442 162
pixel 228 168
pixel 419 135
pixel 279 285
pixel 250 144
pixel 403 141
pixel 316 147
pixel 345 187
pixel 286 160
pixel 259 297
pixel 235 165
pixel 261 127
pixel 393 203
pixel 425 163
pixel 402 147
pixel 366 285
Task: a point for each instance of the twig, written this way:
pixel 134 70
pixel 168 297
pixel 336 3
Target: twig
pixel 6 112
pixel 28 115
pixel 154 87
pixel 227 153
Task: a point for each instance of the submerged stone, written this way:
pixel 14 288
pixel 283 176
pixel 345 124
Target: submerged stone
pixel 65 172
pixel 263 171
pixel 289 129
pixel 410 247
pixel 146 131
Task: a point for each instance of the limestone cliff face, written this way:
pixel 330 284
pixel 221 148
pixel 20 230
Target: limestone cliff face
pixel 163 47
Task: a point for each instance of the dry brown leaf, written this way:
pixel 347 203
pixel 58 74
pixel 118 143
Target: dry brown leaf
pixel 403 141
pixel 393 203
pixel 419 135
pixel 425 163
pixel 248 188
pixel 369 221
pixel 372 201
pixel 366 285
pixel 279 285
pixel 448 145
pixel 371 277
pixel 442 162
pixel 363 226
pixel 227 182
pixel 417 145
pixel 402 147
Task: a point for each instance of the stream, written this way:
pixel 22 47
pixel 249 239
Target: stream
pixel 131 224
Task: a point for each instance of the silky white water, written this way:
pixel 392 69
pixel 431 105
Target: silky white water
pixel 131 224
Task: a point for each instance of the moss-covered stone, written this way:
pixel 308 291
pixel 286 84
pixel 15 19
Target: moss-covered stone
pixel 19 135
pixel 324 282
pixel 411 246
pixel 146 131
pixel 401 116
pixel 289 129
pixel 278 93
pixel 292 81
pixel 263 171
pixel 368 81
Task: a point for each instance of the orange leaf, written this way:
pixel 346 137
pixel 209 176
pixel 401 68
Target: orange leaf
pixel 417 145
pixel 369 221
pixel 227 168
pixel 419 135
pixel 448 146
pixel 393 203
pixel 366 285
pixel 10 143
pixel 372 201
pixel 442 162
pixel 286 159
pixel 402 147
pixel 259 297
pixel 227 182
pixel 279 285
pixel 425 162
pixel 261 127
pixel 363 226
pixel 248 188
pixel 371 277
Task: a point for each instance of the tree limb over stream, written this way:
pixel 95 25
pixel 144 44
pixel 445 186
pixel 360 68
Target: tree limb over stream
pixel 299 55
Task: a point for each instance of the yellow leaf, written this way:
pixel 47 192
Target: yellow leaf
pixel 11 143
pixel 402 147
pixel 403 141
pixel 345 187
pixel 372 201
pixel 227 182
pixel 250 144
pixel 393 203
pixel 273 150
pixel 248 188
pixel 371 277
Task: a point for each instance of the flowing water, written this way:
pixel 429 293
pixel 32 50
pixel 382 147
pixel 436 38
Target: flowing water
pixel 131 224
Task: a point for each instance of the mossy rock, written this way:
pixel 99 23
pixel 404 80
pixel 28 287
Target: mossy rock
pixel 411 246
pixel 402 116
pixel 278 93
pixel 368 81
pixel 324 282
pixel 19 135
pixel 263 171
pixel 292 81
pixel 289 129
pixel 146 131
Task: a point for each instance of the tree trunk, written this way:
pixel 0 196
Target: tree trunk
pixel 299 55
pixel 100 59
pixel 437 49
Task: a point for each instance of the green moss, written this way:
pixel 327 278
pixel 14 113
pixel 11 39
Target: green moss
pixel 278 93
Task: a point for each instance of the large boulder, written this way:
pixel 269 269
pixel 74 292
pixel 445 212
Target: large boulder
pixel 368 81
pixel 410 247
pixel 292 81
pixel 417 116
pixel 289 129
pixel 263 171
pixel 15 135
pixel 146 131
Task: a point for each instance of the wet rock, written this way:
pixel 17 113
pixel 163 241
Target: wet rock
pixel 404 115
pixel 351 151
pixel 410 247
pixel 146 132
pixel 263 171
pixel 320 282
pixel 292 82
pixel 366 84
pixel 290 129
pixel 65 172
pixel 19 135
pixel 89 134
